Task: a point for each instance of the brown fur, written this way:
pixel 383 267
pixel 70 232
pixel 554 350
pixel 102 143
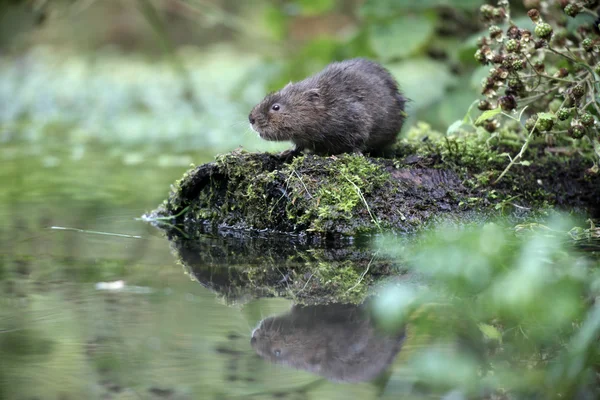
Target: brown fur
pixel 336 341
pixel 350 106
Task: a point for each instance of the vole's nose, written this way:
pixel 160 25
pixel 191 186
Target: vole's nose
pixel 253 340
pixel 251 119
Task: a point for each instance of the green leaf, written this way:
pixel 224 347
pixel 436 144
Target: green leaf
pixel 546 116
pixel 423 81
pixel 401 37
pixel 387 8
pixel 487 115
pixel 455 127
pixel 490 332
pixel 525 163
pixel 467 118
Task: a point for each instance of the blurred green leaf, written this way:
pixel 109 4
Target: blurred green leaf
pixel 387 8
pixel 393 306
pixel 276 22
pixel 487 115
pixel 313 7
pixel 454 106
pixel 446 369
pixel 455 127
pixel 401 37
pixel 423 81
pixel 546 116
pixel 490 332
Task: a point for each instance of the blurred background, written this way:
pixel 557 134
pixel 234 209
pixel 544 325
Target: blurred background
pixel 185 73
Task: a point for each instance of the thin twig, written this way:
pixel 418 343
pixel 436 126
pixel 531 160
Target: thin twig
pixel 362 276
pixel 359 192
pixel 520 155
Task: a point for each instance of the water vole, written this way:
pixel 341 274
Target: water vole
pixel 350 106
pixel 336 341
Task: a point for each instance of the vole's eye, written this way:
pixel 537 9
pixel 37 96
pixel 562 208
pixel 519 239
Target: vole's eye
pixel 275 107
pixel 277 352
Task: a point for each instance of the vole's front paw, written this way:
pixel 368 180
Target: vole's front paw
pixel 288 155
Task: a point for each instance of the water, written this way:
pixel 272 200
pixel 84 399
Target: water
pixel 95 303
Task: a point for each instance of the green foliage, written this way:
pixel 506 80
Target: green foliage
pixel 521 302
pixel 401 37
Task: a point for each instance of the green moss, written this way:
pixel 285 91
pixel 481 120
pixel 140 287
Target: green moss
pixel 343 189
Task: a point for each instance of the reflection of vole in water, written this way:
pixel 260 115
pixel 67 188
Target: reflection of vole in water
pixel 350 106
pixel 336 341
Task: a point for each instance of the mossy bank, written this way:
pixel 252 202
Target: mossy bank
pixel 422 181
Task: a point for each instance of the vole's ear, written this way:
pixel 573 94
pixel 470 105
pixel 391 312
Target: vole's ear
pixel 312 95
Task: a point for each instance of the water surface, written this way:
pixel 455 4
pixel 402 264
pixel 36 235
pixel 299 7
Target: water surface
pixel 94 304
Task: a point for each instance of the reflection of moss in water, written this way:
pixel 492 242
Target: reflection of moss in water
pixel 241 270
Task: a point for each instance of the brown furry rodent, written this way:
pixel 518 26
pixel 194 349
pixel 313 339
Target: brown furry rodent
pixel 336 341
pixel 350 106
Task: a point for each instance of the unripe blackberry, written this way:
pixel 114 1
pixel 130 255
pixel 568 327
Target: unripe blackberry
pixel 518 65
pixel 515 84
pixel 512 45
pixel 530 122
pixel 507 103
pixel 543 30
pixel 578 91
pixel 545 124
pixel 480 57
pixel 534 15
pixel 587 44
pixel 577 131
pixel 587 119
pixel 563 114
pixel 484 105
pixel 486 11
pixel 572 9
